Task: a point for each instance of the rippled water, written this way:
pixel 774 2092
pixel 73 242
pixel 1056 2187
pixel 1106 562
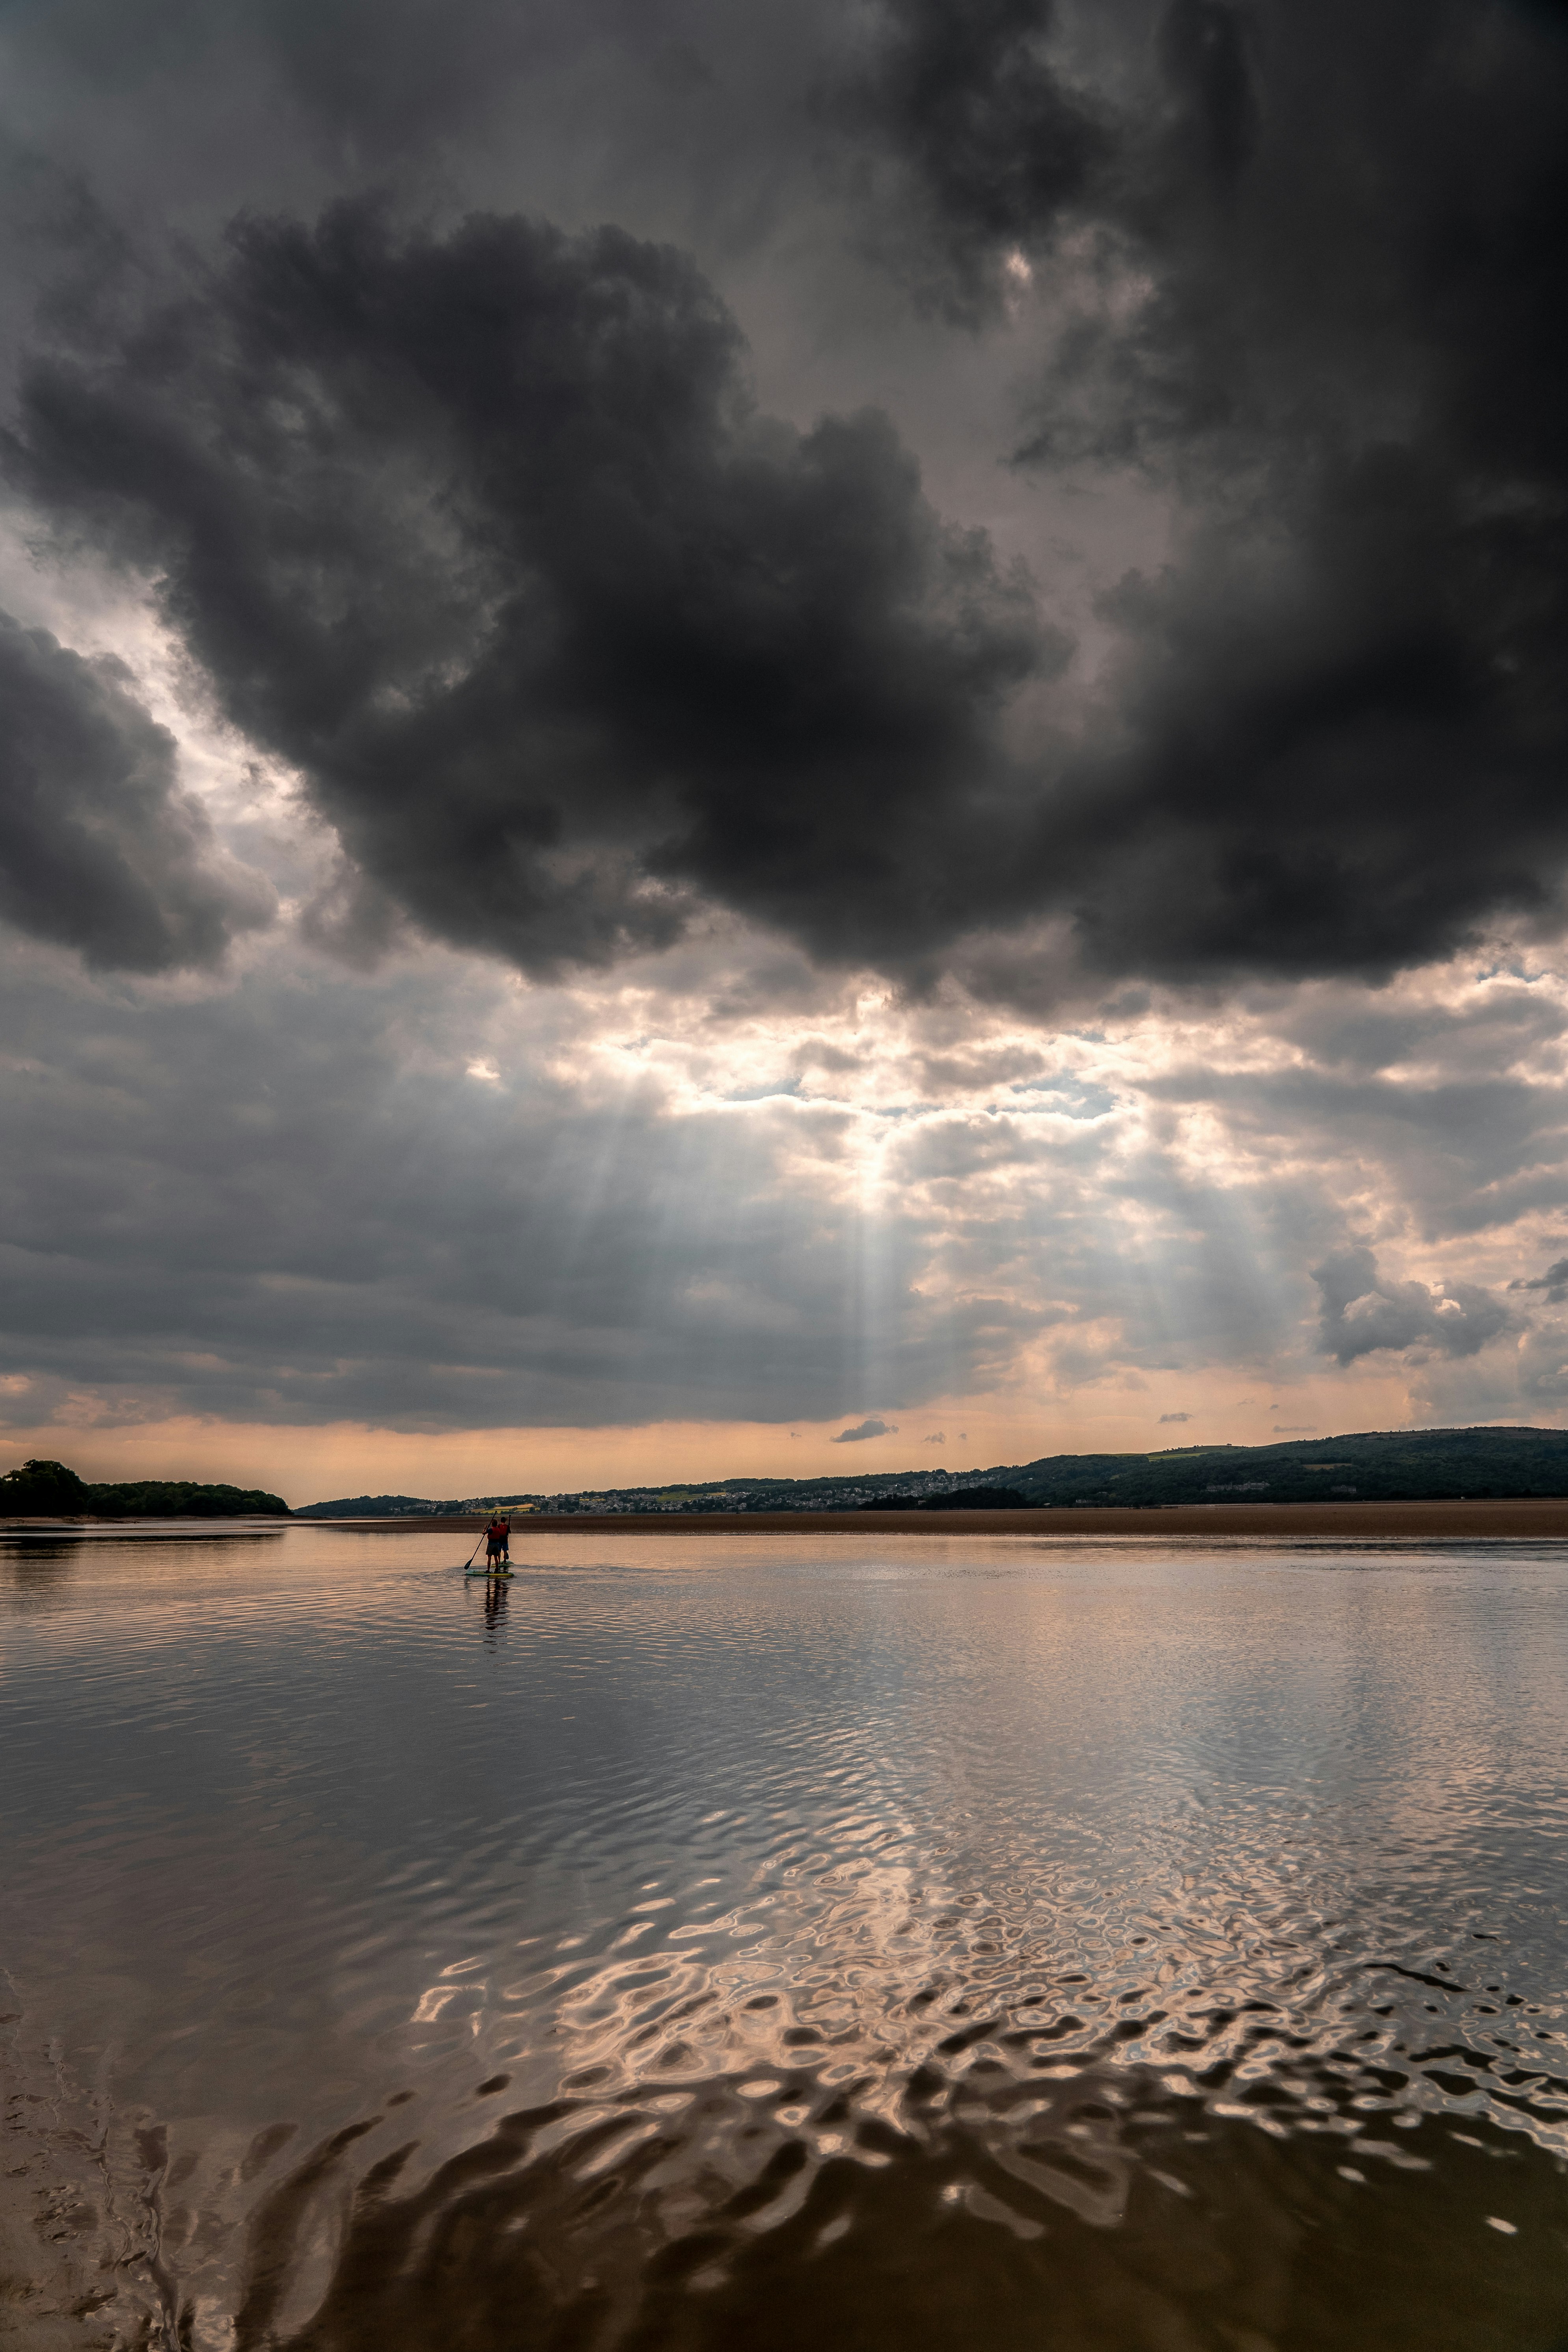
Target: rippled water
pixel 724 1942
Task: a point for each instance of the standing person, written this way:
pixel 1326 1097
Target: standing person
pixel 498 1542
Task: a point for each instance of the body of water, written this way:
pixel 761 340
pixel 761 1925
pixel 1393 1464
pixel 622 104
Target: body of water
pixel 713 1941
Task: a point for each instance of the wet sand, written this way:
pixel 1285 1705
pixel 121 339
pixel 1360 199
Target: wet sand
pixel 1540 1517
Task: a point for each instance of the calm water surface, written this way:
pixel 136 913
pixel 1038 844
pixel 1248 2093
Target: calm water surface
pixel 758 1942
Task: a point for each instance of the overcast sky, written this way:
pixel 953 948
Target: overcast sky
pixel 777 739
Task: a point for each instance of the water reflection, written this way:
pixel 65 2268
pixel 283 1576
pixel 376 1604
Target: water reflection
pixel 36 1568
pixel 915 1941
pixel 496 1593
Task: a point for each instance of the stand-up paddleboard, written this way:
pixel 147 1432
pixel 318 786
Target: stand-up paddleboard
pixel 487 1571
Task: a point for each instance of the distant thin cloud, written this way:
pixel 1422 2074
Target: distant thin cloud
pixel 872 1428
pixel 1554 1281
pixel 940 1439
pixel 1164 1417
pixel 1295 1428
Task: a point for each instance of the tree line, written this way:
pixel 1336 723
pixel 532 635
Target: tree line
pixel 41 1489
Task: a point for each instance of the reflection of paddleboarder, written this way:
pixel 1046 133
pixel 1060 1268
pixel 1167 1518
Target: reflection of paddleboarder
pixel 498 1542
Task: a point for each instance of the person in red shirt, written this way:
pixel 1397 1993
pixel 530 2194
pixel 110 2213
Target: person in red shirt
pixel 498 1542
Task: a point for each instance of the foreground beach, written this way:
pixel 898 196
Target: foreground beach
pixel 1538 1516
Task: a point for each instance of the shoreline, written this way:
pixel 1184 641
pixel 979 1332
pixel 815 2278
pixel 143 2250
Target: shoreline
pixel 1527 1517
pixel 1540 1517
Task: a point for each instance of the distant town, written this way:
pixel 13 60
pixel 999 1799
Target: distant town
pixel 720 1495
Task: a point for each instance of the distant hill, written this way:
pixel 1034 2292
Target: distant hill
pixel 1373 1466
pixel 1383 1466
pixel 1370 1466
pixel 48 1489
pixel 373 1507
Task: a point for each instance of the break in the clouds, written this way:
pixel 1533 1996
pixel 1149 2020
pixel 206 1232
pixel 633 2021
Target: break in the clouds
pixel 803 715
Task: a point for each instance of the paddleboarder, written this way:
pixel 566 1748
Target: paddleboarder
pixel 498 1542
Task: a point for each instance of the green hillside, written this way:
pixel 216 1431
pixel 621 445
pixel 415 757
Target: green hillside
pixel 1389 1466
pixel 1381 1465
pixel 373 1507
pixel 1373 1465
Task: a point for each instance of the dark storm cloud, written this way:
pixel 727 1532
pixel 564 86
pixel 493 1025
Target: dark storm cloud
pixel 366 86
pixel 1313 297
pixel 1205 50
pixel 975 148
pixel 864 1430
pixel 371 78
pixel 969 146
pixel 100 849
pixel 480 536
pixel 477 530
pixel 1363 1312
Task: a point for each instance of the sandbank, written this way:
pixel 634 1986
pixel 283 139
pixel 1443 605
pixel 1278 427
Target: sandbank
pixel 1540 1517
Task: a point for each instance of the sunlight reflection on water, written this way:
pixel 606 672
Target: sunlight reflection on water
pixel 710 1939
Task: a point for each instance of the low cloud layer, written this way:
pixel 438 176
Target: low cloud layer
pixel 478 534
pixel 309 1200
pixel 477 528
pixel 430 1200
